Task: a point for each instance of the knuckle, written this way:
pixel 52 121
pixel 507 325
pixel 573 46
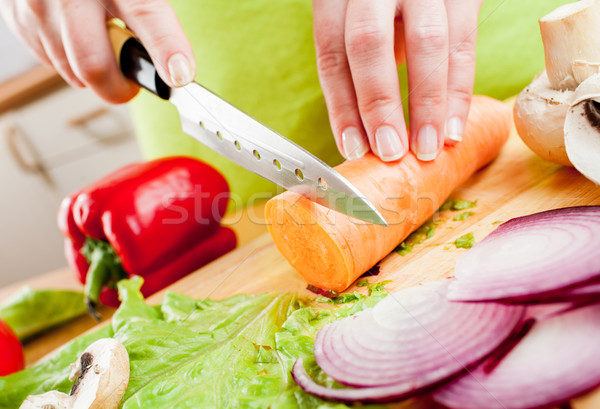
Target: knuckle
pixel 35 6
pixel 139 9
pixel 429 37
pixel 364 39
pixel 460 94
pixel 463 52
pixel 91 68
pixel 331 61
pixel 373 105
pixel 428 100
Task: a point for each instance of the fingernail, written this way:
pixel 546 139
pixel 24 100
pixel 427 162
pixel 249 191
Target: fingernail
pixel 388 145
pixel 354 144
pixel 180 70
pixel 427 143
pixel 454 129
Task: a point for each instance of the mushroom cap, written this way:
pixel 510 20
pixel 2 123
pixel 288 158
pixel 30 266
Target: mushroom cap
pixel 539 115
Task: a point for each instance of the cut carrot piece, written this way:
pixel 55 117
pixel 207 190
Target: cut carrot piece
pixel 331 250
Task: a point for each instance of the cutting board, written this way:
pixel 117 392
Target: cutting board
pixel 515 184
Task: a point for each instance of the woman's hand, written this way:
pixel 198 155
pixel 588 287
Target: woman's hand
pixel 360 42
pixel 71 36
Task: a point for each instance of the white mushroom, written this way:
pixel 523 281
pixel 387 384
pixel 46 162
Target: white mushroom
pixel 571 36
pixel 539 116
pixel 582 129
pixel 48 400
pixel 571 43
pixel 101 376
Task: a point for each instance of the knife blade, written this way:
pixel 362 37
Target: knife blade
pixel 237 136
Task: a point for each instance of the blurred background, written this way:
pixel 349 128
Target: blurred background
pixel 54 139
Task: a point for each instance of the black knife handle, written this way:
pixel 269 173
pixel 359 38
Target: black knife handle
pixel 134 60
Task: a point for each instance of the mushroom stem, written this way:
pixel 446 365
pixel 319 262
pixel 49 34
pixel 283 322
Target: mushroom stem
pixel 571 43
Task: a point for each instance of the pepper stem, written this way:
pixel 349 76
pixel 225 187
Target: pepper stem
pixel 105 268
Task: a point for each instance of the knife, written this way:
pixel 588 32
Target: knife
pixel 230 132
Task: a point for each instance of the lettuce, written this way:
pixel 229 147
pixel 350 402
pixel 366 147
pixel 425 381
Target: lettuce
pixel 32 311
pixel 188 353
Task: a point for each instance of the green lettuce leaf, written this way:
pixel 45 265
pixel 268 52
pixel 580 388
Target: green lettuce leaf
pixel 187 353
pixel 31 311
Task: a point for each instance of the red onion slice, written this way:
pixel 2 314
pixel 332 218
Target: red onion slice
pixel 585 290
pixel 412 340
pixel 380 394
pixel 556 361
pixel 532 258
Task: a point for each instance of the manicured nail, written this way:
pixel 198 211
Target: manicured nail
pixel 427 143
pixel 354 144
pixel 388 145
pixel 454 129
pixel 180 70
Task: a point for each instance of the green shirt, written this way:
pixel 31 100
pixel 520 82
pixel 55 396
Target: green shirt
pixel 259 55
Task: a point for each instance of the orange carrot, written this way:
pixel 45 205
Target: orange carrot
pixel 331 250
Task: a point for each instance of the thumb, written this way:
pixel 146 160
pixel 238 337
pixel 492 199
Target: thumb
pixel 156 25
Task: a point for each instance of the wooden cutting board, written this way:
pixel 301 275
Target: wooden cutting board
pixel 515 184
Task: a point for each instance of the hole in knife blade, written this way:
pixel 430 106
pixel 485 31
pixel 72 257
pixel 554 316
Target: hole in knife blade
pixel 322 183
pixel 277 164
pixel 219 135
pixel 237 145
pixel 299 175
pixel 201 124
pixel 256 154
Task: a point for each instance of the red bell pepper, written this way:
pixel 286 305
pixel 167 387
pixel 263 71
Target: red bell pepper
pixel 11 352
pixel 159 220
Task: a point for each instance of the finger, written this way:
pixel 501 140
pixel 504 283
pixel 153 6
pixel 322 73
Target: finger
pixel 53 47
pixel 462 31
pixel 83 28
pixel 15 18
pixel 369 42
pixel 426 37
pixel 36 47
pixel 158 28
pixel 336 80
pixel 46 20
pixel 29 14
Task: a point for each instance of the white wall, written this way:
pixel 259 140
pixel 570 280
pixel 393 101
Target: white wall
pixel 16 58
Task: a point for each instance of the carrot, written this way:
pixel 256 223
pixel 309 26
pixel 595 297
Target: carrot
pixel 331 250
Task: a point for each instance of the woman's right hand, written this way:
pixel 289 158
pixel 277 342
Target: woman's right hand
pixel 71 36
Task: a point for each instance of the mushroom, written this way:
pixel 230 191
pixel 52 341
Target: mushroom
pixel 571 43
pixel 582 129
pixel 571 37
pixel 539 116
pixel 101 375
